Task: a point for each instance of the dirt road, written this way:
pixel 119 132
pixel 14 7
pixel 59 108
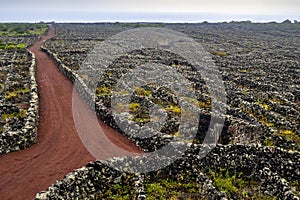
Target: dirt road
pixel 59 149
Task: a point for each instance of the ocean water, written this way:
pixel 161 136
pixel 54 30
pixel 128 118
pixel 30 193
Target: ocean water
pixel 36 16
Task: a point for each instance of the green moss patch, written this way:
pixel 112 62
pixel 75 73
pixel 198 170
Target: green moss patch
pixel 236 185
pixel 182 187
pixel 103 91
pixel 11 45
pixel 16 93
pixel 118 191
pixel 174 109
pixel 289 135
pixel 21 114
pixel 22 29
pixel 142 92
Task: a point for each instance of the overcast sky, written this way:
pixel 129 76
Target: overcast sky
pixel 15 10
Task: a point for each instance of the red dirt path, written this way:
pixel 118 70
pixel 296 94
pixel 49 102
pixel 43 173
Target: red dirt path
pixel 59 149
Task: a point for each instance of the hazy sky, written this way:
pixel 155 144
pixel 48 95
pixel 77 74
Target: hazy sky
pixel 14 10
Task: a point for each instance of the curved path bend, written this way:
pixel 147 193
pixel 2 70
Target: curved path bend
pixel 59 149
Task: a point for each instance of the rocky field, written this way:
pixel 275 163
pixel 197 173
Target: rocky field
pixel 17 79
pixel 258 151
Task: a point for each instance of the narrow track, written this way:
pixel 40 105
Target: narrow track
pixel 59 149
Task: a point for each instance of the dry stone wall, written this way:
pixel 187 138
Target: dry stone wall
pixel 273 171
pixel 26 136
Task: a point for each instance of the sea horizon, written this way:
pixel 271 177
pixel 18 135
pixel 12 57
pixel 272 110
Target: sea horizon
pixel 156 17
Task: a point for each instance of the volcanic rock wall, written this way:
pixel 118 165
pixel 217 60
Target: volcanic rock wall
pixel 22 138
pixel 274 168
